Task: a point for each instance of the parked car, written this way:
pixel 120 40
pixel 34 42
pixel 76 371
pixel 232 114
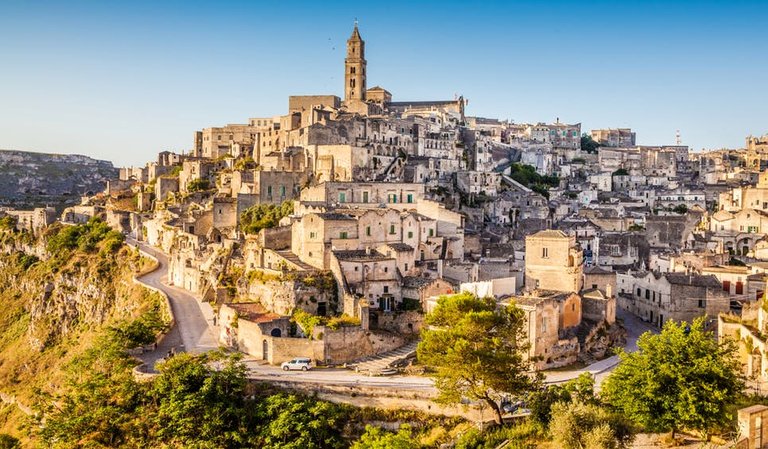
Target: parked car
pixel 301 363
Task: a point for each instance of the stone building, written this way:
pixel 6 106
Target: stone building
pixel 659 297
pixel 753 433
pixel 549 315
pixel 757 152
pixel 32 220
pixel 553 261
pixel 219 141
pixel 614 137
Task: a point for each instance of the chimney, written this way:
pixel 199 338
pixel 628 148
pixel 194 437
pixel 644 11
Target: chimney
pixel 608 290
pixel 367 250
pixel 440 268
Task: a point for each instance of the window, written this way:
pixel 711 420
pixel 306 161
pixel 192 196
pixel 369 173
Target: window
pixel 342 197
pixel 545 253
pixel 406 267
pixel 638 292
pixel 647 294
pixel 431 232
pixel 368 231
pixel 409 198
pixel 386 269
pixel 312 235
pixel 365 197
pixel 701 304
pixel 410 234
pixel 386 289
pixel 269 190
pixel 343 234
pixel 391 229
pixel 282 191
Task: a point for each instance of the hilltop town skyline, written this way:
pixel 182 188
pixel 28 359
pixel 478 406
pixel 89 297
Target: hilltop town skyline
pixel 126 84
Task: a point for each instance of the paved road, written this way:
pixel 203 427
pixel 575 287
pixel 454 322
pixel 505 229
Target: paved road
pixel 194 331
pixel 337 376
pixel 600 370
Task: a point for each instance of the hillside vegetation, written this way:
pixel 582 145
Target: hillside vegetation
pixel 62 292
pixel 67 316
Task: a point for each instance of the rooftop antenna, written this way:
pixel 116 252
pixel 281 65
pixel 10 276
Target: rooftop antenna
pixel 678 141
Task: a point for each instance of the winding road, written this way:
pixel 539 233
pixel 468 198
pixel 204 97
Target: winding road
pixel 194 332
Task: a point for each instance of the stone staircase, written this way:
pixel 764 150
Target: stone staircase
pixel 385 363
pixel 294 259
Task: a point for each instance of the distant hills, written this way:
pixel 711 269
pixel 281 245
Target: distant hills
pixel 30 179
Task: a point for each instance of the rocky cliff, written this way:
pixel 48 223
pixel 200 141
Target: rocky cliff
pixel 38 179
pixel 60 292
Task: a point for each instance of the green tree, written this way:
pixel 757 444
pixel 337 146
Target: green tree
pixel 262 216
pixel 540 401
pixel 588 144
pixel 8 223
pixel 376 438
pixel 477 350
pixel 197 185
pixel 298 422
pixel 578 425
pixel 96 410
pixel 9 442
pixel 620 172
pixel 681 209
pixel 681 378
pixel 200 399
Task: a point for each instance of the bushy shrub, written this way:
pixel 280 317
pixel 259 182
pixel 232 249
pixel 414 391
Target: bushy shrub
pixel 262 216
pixel 197 185
pixel 84 237
pixel 8 223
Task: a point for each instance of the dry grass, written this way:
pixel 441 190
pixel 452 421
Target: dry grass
pixel 24 370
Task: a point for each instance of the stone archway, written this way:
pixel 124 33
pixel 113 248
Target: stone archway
pixel 276 333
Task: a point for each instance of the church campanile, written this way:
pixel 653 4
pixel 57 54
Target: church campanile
pixel 354 68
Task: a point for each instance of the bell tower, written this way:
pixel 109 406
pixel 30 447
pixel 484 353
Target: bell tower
pixel 354 68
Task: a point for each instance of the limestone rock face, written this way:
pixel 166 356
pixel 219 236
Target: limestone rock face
pixel 85 292
pixel 33 179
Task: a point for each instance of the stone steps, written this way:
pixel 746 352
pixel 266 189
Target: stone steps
pixel 294 259
pixel 381 363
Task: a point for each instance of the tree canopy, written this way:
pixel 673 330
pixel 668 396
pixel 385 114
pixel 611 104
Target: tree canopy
pixel 588 144
pixel 681 378
pixel 262 216
pixel 477 350
pixel 579 425
pixel 527 176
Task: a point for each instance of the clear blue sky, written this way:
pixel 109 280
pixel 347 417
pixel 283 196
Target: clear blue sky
pixel 122 80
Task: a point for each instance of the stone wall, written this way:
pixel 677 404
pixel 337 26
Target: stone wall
pixel 598 309
pixel 402 323
pixel 351 343
pixel 283 296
